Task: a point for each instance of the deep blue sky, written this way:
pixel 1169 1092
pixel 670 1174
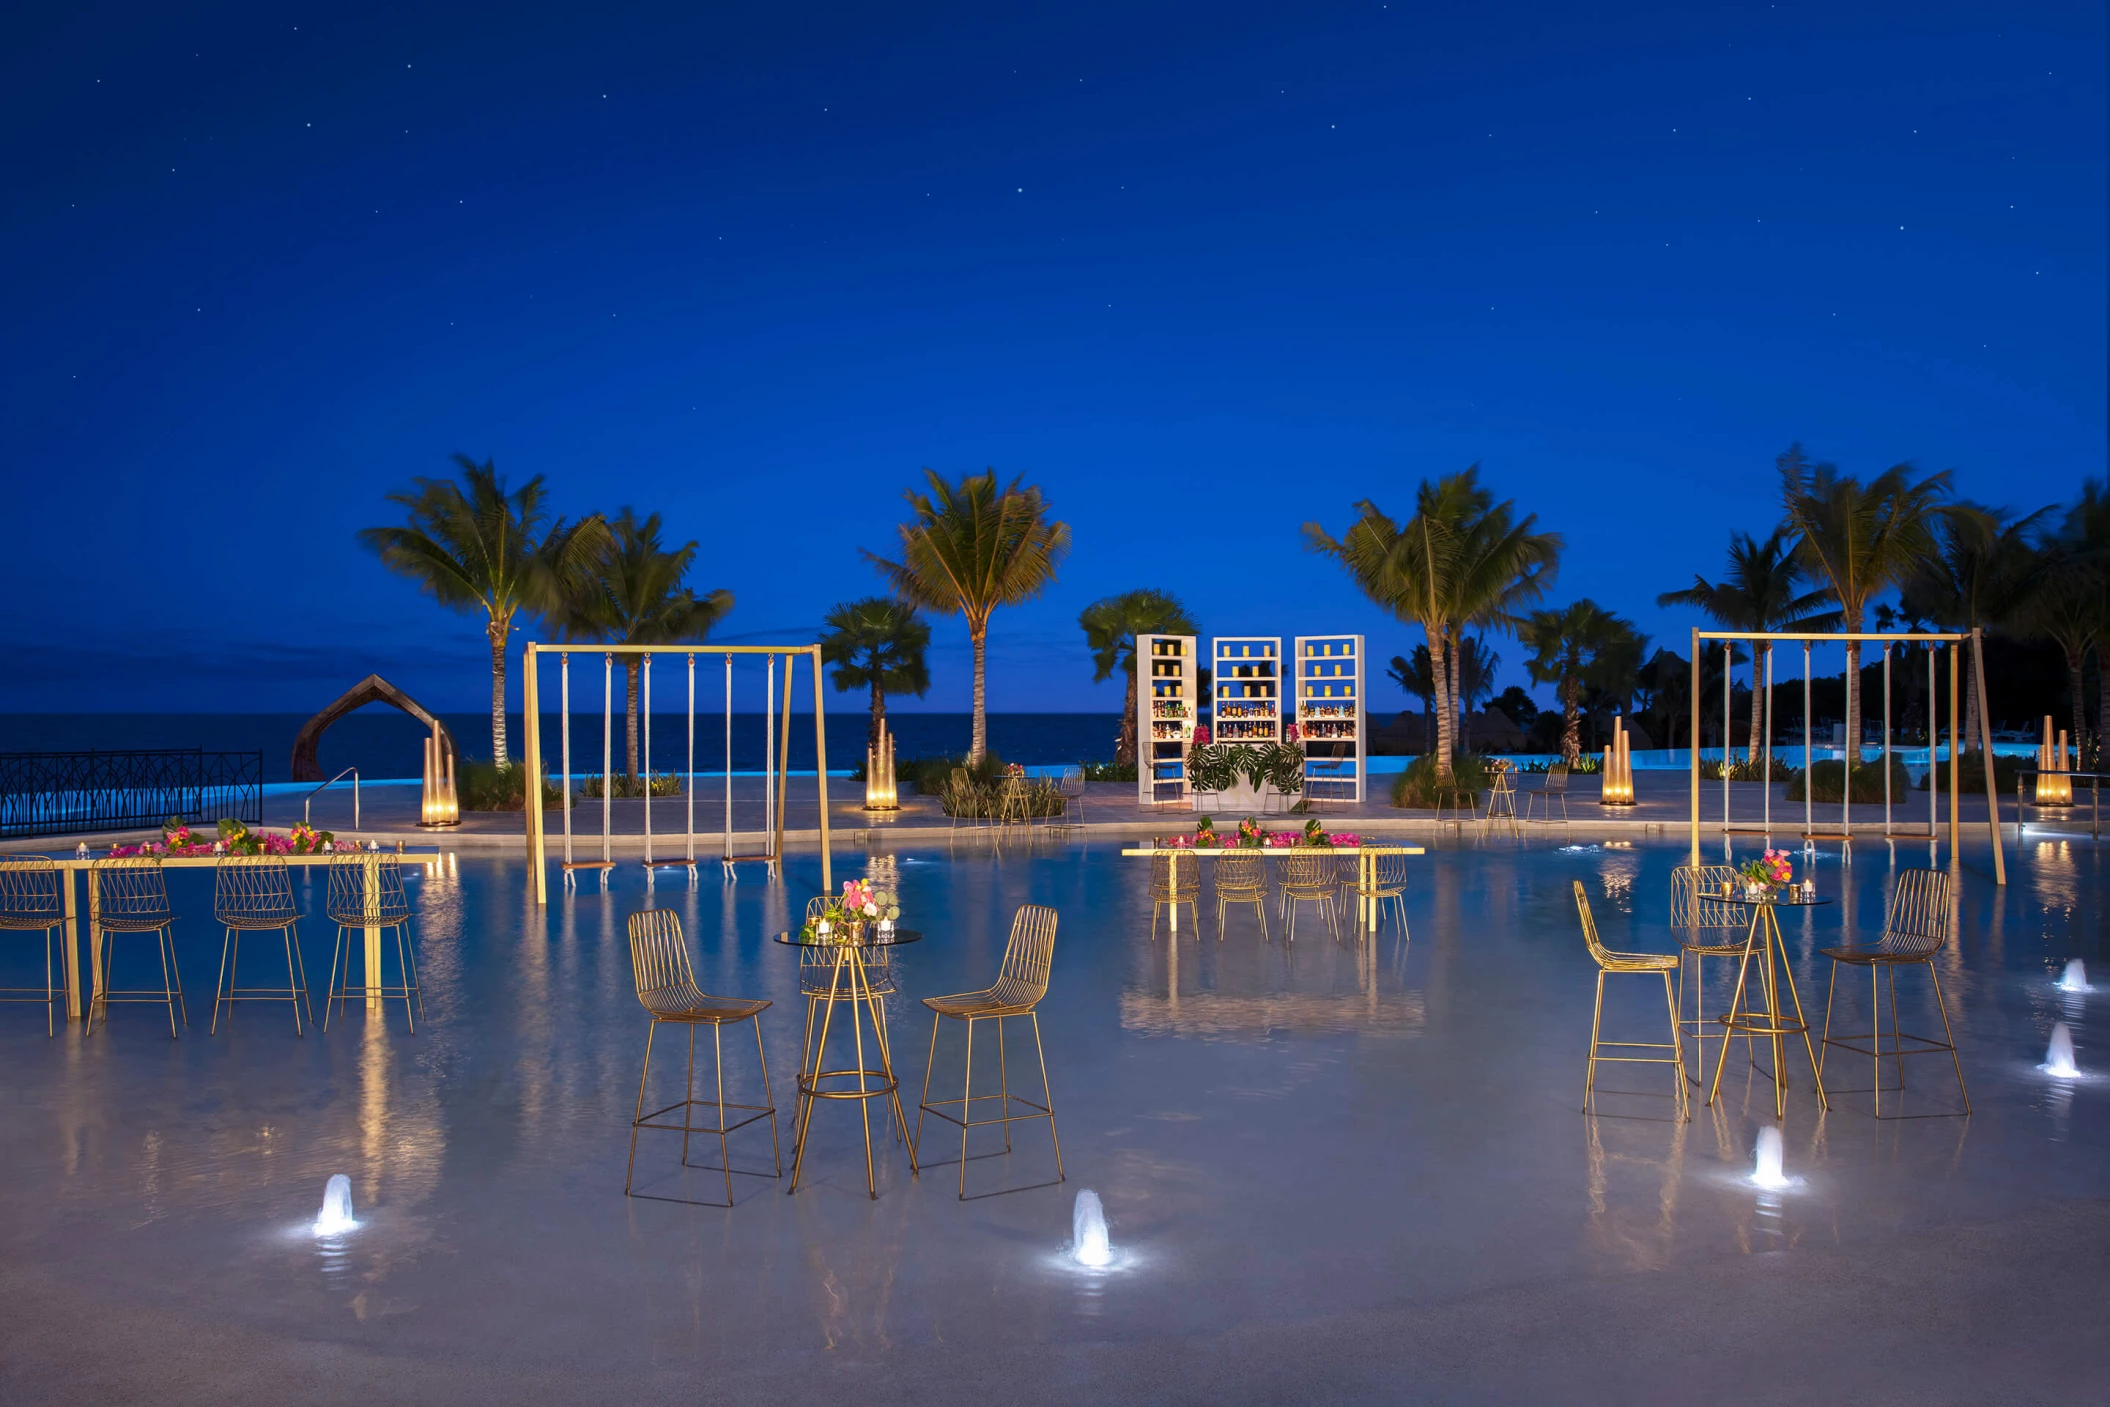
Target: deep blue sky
pixel 1202 272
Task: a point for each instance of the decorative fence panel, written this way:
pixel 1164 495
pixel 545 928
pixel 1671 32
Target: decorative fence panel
pixel 69 793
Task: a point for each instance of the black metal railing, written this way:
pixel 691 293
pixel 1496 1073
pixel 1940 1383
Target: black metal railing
pixel 67 793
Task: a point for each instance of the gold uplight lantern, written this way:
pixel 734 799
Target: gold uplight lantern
pixel 439 805
pixel 1617 784
pixel 880 793
pixel 2054 787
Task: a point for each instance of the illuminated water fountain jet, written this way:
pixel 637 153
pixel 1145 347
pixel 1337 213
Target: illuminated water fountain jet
pixel 336 1217
pixel 2075 977
pixel 1088 1241
pixel 1767 1171
pixel 2058 1058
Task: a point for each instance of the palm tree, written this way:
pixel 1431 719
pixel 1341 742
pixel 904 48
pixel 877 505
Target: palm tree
pixel 969 548
pixel 878 643
pixel 2068 608
pixel 473 546
pixel 2087 533
pixel 1577 647
pixel 1111 626
pixel 1859 539
pixel 1474 670
pixel 634 595
pixel 1413 676
pixel 1461 560
pixel 1979 575
pixel 1761 592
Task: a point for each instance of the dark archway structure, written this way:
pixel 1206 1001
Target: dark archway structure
pixel 307 761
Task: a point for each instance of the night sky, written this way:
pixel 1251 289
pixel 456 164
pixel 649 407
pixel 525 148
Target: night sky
pixel 1201 272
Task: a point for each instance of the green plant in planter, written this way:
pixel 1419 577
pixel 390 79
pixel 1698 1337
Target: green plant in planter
pixel 1218 767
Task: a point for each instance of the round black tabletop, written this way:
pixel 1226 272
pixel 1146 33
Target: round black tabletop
pixel 1770 900
pixel 870 938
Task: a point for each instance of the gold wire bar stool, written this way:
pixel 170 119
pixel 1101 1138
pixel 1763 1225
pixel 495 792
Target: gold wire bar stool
pixel 1640 964
pixel 1705 927
pixel 1307 879
pixel 30 900
pixel 1387 885
pixel 666 987
pixel 1922 916
pixel 254 893
pixel 1501 800
pixel 130 896
pixel 1175 879
pixel 1241 878
pixel 1016 805
pixel 366 891
pixel 1540 798
pixel 1020 984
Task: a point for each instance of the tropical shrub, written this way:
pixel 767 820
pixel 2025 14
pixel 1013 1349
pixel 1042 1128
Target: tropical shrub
pixel 1825 782
pixel 1417 786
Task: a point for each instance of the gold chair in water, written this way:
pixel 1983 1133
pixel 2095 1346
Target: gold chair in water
pixel 1641 964
pixel 1020 984
pixel 354 910
pixel 1388 886
pixel 1175 878
pixel 1705 927
pixel 1241 878
pixel 31 900
pixel 130 896
pixel 254 893
pixel 1554 787
pixel 666 987
pixel 1922 916
pixel 1307 879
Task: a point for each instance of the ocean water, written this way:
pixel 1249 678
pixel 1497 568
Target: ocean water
pixel 382 742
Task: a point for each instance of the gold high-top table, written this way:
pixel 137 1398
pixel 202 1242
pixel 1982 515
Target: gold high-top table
pixel 71 867
pixel 1365 868
pixel 1769 1022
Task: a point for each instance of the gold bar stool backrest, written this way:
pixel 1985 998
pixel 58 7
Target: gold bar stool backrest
pixel 253 891
pixel 1599 953
pixel 131 892
pixel 1391 871
pixel 29 893
pixel 1241 872
pixel 1028 957
pixel 1307 873
pixel 659 959
pixel 1164 870
pixel 1922 914
pixel 1695 898
pixel 346 897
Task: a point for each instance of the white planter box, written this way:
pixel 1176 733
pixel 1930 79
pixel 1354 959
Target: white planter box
pixel 1237 803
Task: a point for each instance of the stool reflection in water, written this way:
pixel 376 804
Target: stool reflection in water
pixel 666 987
pixel 1641 964
pixel 1020 984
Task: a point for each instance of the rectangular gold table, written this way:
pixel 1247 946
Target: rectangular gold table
pixel 1365 869
pixel 71 867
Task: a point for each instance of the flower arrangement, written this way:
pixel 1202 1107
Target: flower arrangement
pixel 843 920
pixel 232 838
pixel 1201 735
pixel 1770 869
pixel 1250 835
pixel 1290 733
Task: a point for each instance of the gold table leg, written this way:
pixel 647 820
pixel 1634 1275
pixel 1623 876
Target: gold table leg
pixel 848 959
pixel 372 969
pixel 1764 942
pixel 73 951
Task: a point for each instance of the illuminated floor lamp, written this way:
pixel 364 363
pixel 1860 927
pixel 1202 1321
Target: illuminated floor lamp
pixel 1618 769
pixel 880 794
pixel 439 805
pixel 2054 787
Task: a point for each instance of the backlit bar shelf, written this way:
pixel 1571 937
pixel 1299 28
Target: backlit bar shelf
pixel 1167 698
pixel 1245 688
pixel 1329 684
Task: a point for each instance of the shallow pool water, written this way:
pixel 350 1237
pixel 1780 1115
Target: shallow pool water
pixel 1281 1134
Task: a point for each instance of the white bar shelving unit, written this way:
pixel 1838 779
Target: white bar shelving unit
pixel 1167 704
pixel 1245 689
pixel 1329 685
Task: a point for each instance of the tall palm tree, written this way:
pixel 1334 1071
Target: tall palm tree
pixel 1461 560
pixel 1111 626
pixel 1761 592
pixel 1474 667
pixel 1577 647
pixel 878 644
pixel 1981 571
pixel 969 548
pixel 1859 540
pixel 635 594
pixel 2088 529
pixel 2068 608
pixel 1415 678
pixel 474 546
